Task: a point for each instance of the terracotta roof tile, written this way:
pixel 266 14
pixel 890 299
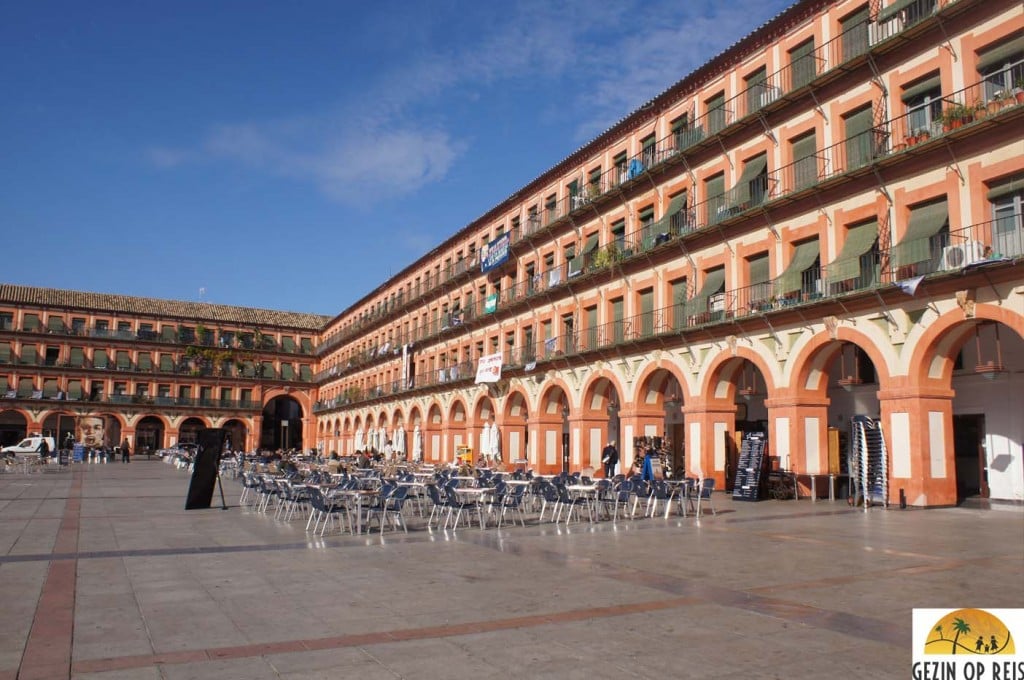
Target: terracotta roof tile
pixel 128 304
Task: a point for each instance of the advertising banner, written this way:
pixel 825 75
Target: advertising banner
pixel 495 253
pixel 489 369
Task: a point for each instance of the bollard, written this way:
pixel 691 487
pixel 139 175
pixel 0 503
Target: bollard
pixel 903 499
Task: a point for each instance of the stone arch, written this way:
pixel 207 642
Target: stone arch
pixel 515 430
pixel 13 426
pixel 661 367
pixel 188 430
pixel 810 363
pixel 599 417
pixel 433 429
pixel 283 419
pixel 946 335
pixel 720 380
pixel 238 433
pixel 151 433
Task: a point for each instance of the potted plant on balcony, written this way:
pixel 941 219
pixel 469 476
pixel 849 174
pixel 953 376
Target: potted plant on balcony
pixel 1018 90
pixel 606 257
pixel 980 109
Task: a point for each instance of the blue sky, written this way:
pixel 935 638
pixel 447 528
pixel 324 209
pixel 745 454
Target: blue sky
pixel 293 155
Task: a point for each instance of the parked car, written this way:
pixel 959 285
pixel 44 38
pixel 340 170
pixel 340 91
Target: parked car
pixel 29 446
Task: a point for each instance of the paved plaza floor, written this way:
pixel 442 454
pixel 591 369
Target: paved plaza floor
pixel 104 575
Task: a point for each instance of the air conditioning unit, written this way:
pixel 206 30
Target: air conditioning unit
pixel 962 254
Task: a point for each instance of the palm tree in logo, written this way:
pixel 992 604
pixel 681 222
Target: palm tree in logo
pixel 938 629
pixel 960 626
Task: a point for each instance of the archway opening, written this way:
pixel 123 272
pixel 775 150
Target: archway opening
pixel 13 428
pixel 188 433
pixel 60 426
pixel 282 424
pixel 149 435
pixel 237 434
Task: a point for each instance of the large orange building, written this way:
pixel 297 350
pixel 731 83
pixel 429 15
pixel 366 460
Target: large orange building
pixel 823 221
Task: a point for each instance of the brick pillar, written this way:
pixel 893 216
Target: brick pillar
pixel 918 428
pixel 253 435
pixel 798 432
pixel 708 422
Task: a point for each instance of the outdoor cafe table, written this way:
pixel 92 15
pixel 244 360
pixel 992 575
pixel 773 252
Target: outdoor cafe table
pixel 677 487
pixel 474 493
pixel 588 491
pixel 358 495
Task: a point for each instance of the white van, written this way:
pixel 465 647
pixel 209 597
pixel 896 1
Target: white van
pixel 29 446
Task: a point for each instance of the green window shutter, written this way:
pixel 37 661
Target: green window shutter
pixel 803 259
pixel 169 334
pixel 758 269
pixel 305 373
pixel 123 361
pixel 859 240
pixel 5 352
pixel 206 395
pixel 77 358
pixel 28 354
pixel 592 243
pixel 50 388
pixel 925 221
pixel 99 358
pixel 288 343
pixel 4 387
pixel 287 372
pixel 755 83
pixel 248 369
pixel 805 165
pixel 166 363
pixel 306 344
pixel 31 322
pixel 714 198
pixel 145 361
pixel 855 33
pixel 268 370
pixel 647 313
pixel 1005 188
pixel 858 138
pixel 25 388
pixel 803 67
pixel 715 113
pixel 55 323
pixel 75 389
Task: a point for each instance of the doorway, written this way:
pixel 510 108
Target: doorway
pixel 969 454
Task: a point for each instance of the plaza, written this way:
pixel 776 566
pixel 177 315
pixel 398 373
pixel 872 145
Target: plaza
pixel 103 574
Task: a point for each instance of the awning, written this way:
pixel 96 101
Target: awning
pixel 74 389
pixel 1000 55
pixel 757 270
pixel 167 363
pixel 803 259
pixel 167 334
pixel 714 280
pixel 288 344
pixel 1006 187
pixel 145 362
pixel 891 11
pixel 591 245
pixel 5 353
pixel 859 240
pixel 55 323
pixel 751 171
pixel 925 222
pixel 922 87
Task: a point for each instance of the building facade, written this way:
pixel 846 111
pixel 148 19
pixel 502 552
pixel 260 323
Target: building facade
pixel 824 221
pixel 155 371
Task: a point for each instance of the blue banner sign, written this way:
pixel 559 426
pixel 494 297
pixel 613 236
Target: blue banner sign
pixel 495 253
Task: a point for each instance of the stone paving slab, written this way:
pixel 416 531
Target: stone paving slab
pixel 104 576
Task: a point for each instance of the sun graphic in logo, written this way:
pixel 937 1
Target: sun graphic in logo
pixel 969 631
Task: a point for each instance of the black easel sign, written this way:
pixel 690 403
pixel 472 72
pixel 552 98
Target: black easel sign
pixel 205 467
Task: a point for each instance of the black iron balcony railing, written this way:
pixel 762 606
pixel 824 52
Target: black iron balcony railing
pixel 129 399
pixel 978 245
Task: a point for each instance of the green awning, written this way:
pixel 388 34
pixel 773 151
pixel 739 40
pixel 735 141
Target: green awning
pixel 74 389
pixel 803 259
pixel 145 362
pixel 25 388
pixel 925 222
pixel 757 269
pixel 123 361
pixel 99 358
pixel 287 372
pixel 306 344
pixel 1006 187
pixel 714 281
pixel 305 373
pixel 751 171
pixel 891 11
pixel 1000 54
pixel 168 334
pixel 28 354
pixel 921 87
pixel 248 370
pixel 591 245
pixel 55 323
pixel 288 344
pixel 31 322
pixel 5 353
pixel 859 240
pixel 166 363
pixel 3 385
pixel 77 357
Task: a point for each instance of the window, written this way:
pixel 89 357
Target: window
pixel 802 66
pixel 803 272
pixel 550 209
pixel 805 164
pixel 646 219
pixel 854 29
pixel 859 137
pixel 225 396
pixel 647 150
pixel 715 113
pixel 6 321
pixel 618 323
pixel 30 322
pixel 1007 200
pixel 714 189
pixel 529 351
pixel 757 94
pixel 752 186
pixel 591 337
pixel 568 333
pixel 679 127
pixel 594 182
pixel 573 265
pixel 52 355
pixel 923 102
pixel 620 163
pixel 647 312
pixel 1002 68
pixel 28 355
pixel 619 235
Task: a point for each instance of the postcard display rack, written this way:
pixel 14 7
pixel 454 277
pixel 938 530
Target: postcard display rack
pixel 868 462
pixel 748 470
